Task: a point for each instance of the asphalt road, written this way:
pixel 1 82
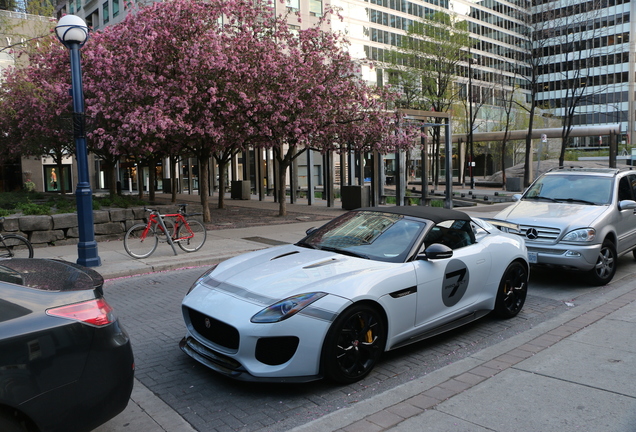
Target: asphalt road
pixel 149 308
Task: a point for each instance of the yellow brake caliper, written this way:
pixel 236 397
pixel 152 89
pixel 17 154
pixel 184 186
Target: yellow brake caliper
pixel 369 335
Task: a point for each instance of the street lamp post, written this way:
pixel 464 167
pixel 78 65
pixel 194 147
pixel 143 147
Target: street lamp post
pixel 72 31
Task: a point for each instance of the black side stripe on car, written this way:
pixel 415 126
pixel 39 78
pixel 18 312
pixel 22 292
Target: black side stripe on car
pixel 239 292
pixel 317 313
pixel 247 295
pixel 404 292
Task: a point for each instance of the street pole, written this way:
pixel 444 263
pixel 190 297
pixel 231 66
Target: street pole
pixel 471 120
pixel 424 200
pixel 72 31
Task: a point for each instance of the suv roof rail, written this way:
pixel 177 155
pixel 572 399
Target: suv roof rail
pixel 588 169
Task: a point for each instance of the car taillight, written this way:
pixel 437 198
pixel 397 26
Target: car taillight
pixel 95 312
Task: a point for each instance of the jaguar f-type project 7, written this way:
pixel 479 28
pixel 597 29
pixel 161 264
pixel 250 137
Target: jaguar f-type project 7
pixel 369 281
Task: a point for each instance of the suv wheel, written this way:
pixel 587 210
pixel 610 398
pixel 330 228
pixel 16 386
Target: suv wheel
pixel 605 267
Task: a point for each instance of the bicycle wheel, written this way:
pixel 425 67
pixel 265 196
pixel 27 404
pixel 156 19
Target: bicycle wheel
pixel 195 242
pixel 137 245
pixel 16 246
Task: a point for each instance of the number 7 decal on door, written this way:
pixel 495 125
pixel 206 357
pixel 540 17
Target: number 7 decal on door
pixel 455 282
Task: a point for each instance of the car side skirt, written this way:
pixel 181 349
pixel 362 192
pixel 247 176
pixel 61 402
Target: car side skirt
pixel 442 329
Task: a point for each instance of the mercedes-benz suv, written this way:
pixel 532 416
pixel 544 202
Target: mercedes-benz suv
pixel 578 218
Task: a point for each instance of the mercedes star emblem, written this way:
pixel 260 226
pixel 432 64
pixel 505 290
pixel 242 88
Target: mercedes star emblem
pixel 532 233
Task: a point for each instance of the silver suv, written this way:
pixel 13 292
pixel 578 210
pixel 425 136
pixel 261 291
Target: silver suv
pixel 578 218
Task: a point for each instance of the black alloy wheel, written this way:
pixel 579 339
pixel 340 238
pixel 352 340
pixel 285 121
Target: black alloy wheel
pixel 513 290
pixel 354 344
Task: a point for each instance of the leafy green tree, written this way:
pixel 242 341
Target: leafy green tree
pixel 426 65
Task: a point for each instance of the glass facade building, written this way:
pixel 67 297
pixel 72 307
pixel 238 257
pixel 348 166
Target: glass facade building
pixel 587 69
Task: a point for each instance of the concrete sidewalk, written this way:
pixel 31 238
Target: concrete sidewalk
pixel 573 372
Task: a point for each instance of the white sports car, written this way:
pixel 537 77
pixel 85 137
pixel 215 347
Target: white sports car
pixel 369 281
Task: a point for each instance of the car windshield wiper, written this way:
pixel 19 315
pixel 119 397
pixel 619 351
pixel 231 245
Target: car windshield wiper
pixel 306 245
pixel 576 200
pixel 542 197
pixel 344 252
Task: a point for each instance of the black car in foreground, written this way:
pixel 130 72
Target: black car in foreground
pixel 65 362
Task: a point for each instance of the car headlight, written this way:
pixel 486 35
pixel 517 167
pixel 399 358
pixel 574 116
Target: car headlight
pixel 203 276
pixel 286 308
pixel 581 235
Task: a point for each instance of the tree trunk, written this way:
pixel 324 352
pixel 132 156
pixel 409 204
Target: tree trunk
pixel 284 162
pixel 140 181
pixel 222 182
pixel 204 187
pixel 503 163
pixel 223 159
pixel 152 177
pixel 174 180
pixel 109 166
pixel 282 187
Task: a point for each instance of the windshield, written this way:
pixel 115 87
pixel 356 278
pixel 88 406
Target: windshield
pixel 581 189
pixel 368 234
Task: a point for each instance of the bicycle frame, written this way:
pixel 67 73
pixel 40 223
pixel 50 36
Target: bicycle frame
pixel 179 220
pixel 156 218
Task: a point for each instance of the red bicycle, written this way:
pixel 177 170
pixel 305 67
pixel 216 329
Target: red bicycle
pixel 141 240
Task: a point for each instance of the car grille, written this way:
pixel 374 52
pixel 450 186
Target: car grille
pixel 547 251
pixel 540 234
pixel 214 330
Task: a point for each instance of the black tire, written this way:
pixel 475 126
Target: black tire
pixel 10 424
pixel 354 344
pixel 512 291
pixel 16 246
pixel 196 242
pixel 605 267
pixel 138 247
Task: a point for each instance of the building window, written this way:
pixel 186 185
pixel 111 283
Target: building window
pixel 293 4
pixel 315 7
pixel 79 5
pixel 115 8
pixel 105 14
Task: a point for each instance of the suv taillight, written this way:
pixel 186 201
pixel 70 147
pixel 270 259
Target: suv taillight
pixel 95 312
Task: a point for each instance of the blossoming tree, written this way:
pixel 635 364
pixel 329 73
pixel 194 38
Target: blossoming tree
pixel 210 79
pixel 35 106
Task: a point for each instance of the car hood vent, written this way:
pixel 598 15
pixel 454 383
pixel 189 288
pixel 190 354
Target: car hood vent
pixel 322 263
pixel 284 255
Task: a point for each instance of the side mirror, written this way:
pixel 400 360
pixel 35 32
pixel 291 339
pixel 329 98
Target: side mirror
pixel 516 197
pixel 627 205
pixel 436 251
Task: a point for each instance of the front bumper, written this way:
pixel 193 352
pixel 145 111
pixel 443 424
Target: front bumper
pixel 231 368
pixel 579 257
pixel 221 336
